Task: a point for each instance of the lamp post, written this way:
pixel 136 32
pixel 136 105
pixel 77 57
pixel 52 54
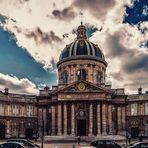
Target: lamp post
pixel 126 120
pixel 42 138
pixel 42 131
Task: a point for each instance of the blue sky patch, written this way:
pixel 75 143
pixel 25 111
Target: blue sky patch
pixel 90 31
pixel 138 13
pixel 17 61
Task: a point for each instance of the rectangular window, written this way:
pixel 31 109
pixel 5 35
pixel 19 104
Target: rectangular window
pixel 146 108
pixel 2 109
pixel 29 110
pixel 141 108
pixel 134 109
pixel 15 109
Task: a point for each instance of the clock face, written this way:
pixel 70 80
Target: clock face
pixel 81 86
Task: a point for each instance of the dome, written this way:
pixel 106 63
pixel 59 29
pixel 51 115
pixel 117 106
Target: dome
pixel 82 48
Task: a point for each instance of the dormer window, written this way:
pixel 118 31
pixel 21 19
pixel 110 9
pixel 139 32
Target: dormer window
pixel 81 74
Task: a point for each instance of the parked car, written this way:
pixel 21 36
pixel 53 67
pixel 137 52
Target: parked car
pixel 12 145
pixel 105 144
pixel 26 143
pixel 140 145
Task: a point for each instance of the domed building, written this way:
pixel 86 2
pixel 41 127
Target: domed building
pixel 81 104
pixel 82 60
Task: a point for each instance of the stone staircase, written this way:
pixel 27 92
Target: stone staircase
pixel 69 138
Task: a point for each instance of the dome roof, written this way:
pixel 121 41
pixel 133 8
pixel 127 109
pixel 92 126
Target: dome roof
pixel 82 48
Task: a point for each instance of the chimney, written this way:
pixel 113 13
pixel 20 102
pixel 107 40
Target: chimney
pixel 6 91
pixel 46 88
pixel 140 91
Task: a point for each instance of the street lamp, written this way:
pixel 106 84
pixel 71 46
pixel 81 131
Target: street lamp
pixel 42 131
pixel 126 120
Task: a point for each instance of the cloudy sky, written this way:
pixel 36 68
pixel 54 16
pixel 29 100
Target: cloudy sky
pixel 31 39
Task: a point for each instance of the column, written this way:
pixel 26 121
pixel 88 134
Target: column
pixel 123 118
pixel 104 120
pixel 50 120
pixel 53 120
pixel 59 119
pixel 72 120
pixel 8 134
pixel 8 109
pixel 119 118
pixel 72 74
pixel 110 119
pixel 40 121
pixel 22 110
pixel 45 120
pixel 65 119
pixel 98 120
pixel 90 119
pixel 22 130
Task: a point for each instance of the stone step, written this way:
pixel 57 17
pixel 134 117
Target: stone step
pixel 68 138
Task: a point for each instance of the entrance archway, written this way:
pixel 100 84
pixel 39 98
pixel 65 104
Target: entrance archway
pixel 134 132
pixel 29 132
pixel 81 127
pixel 2 130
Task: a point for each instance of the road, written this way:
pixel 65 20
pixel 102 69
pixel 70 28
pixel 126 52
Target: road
pixel 70 144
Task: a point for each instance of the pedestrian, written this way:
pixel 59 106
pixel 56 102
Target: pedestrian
pixel 79 140
pixel 140 138
pixel 37 136
pixel 129 139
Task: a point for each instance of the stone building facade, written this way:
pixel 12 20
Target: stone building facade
pixel 18 115
pixel 81 104
pixel 137 114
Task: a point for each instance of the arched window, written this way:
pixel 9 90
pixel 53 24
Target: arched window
pixel 65 78
pixel 81 74
pixel 99 77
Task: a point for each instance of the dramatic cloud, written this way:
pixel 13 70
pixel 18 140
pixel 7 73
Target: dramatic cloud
pixel 114 47
pixel 99 8
pixel 124 45
pixel 42 37
pixel 17 85
pixel 133 60
pixel 65 14
pixel 137 63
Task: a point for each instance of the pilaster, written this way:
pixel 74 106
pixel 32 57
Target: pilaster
pixel 72 120
pixel 98 120
pixel 59 119
pixel 90 119
pixel 65 119
pixel 53 120
pixel 104 120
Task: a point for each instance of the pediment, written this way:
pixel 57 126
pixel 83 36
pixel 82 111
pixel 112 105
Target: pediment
pixel 82 87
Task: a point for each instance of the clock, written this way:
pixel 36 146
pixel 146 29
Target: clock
pixel 81 86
